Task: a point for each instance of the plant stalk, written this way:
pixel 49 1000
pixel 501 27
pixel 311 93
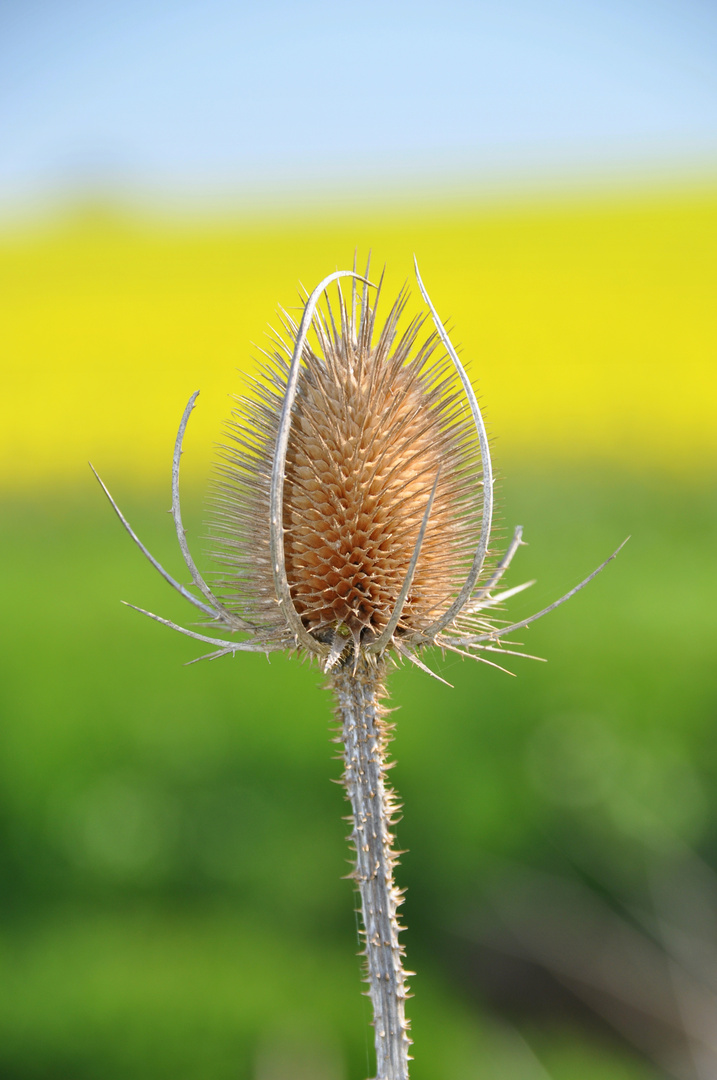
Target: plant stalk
pixel 365 736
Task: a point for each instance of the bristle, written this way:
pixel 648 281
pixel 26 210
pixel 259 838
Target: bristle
pixel 374 423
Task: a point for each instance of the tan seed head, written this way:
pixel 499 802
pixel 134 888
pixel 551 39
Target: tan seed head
pixel 374 423
pixel 355 499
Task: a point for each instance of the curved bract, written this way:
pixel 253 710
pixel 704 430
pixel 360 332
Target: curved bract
pixel 276 495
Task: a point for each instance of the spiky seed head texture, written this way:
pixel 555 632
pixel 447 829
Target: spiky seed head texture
pixel 337 463
pixel 377 418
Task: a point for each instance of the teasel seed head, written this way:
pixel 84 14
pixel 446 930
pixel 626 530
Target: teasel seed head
pixel 354 498
pixel 379 429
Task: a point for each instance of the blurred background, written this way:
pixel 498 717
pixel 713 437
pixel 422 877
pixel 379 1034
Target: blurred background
pixel 171 846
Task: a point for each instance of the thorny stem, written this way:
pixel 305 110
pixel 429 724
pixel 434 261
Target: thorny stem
pixel 365 736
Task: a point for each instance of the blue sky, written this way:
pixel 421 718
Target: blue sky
pixel 195 102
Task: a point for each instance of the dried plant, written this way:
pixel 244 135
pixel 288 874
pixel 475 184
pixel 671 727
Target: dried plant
pixel 352 519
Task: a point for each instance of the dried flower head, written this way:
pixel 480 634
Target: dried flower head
pixel 354 505
pixel 379 432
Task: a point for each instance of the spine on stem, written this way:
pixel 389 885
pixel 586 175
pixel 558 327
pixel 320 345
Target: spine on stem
pixel 365 736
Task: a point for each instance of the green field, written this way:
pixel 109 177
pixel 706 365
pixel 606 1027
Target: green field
pixel 173 846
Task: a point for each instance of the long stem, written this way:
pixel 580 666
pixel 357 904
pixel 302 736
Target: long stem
pixel 365 736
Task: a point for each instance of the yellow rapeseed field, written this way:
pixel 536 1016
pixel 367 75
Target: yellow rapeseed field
pixel 589 327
